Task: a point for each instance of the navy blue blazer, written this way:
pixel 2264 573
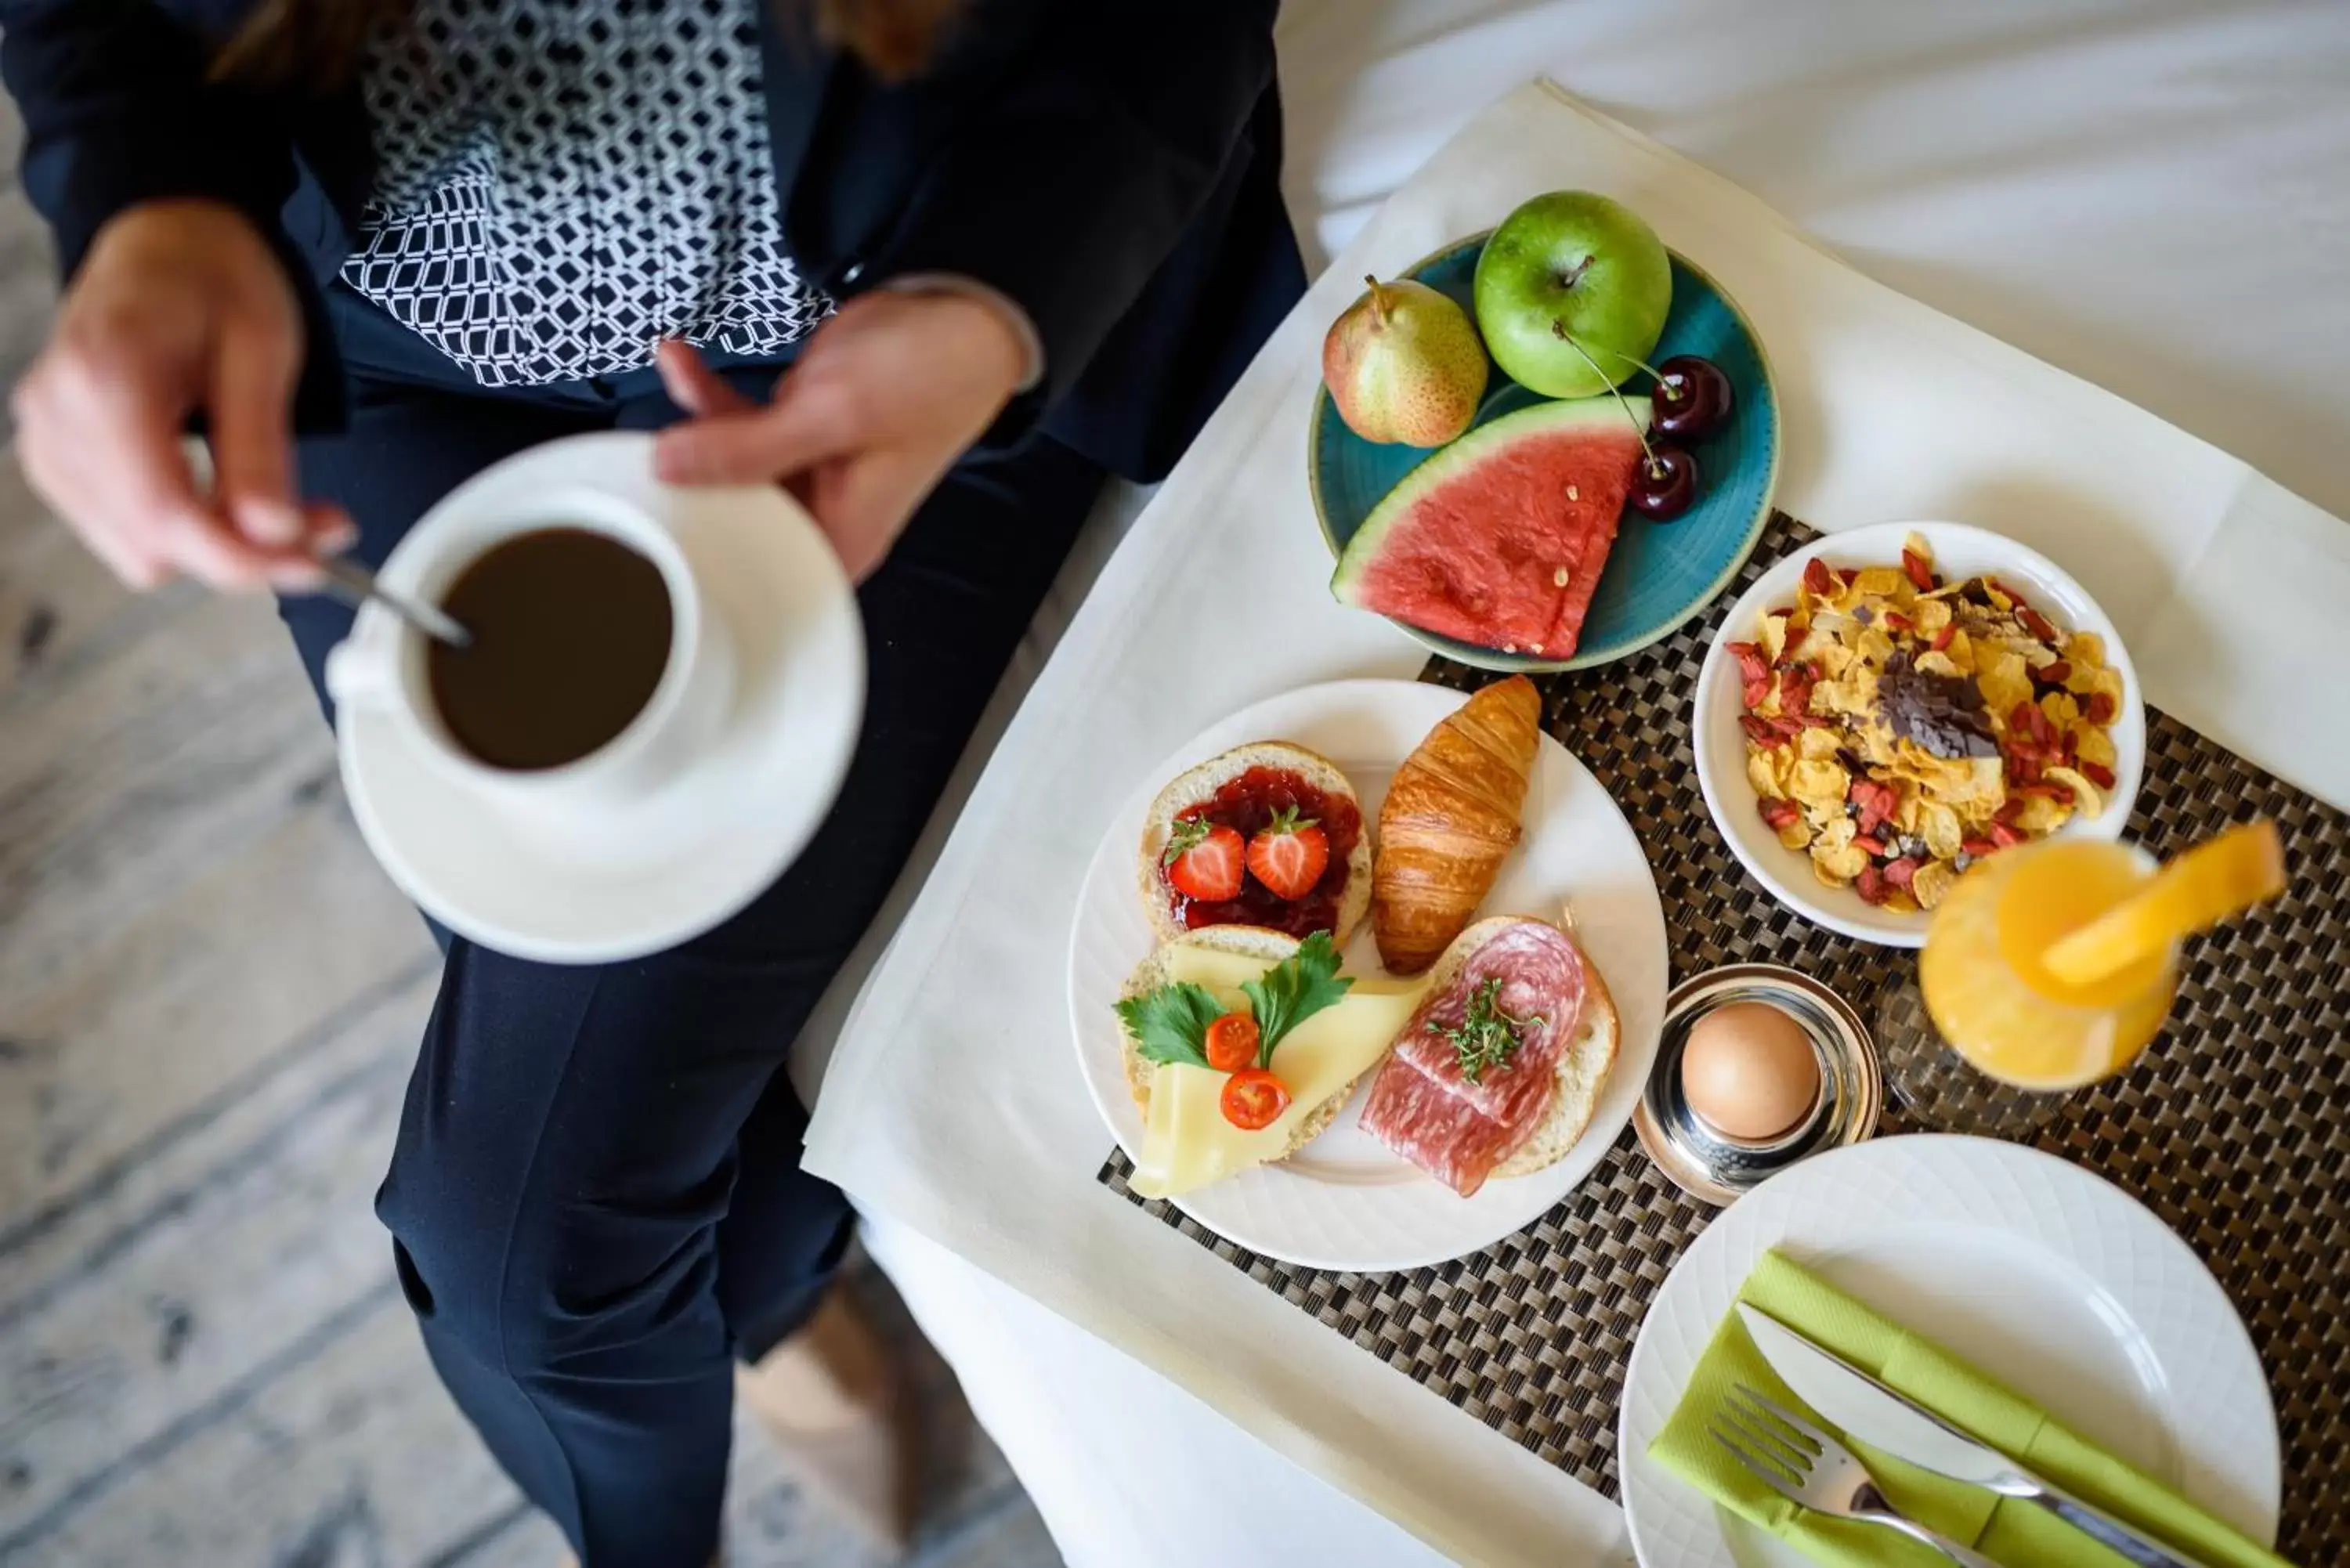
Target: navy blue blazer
pixel 1112 165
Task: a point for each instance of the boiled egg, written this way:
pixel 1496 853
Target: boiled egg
pixel 1748 1071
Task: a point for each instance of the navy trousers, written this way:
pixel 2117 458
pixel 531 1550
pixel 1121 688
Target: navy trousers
pixel 595 1200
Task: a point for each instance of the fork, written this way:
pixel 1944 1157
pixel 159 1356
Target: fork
pixel 1810 1468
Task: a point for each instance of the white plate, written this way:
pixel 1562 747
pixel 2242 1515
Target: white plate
pixel 2044 1275
pixel 729 825
pixel 1959 551
pixel 1345 1202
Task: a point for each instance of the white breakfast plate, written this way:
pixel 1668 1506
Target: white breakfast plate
pixel 714 836
pixel 2047 1277
pixel 1960 551
pixel 1345 1202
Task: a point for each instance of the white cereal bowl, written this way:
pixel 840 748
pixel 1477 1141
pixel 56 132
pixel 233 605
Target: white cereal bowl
pixel 1960 551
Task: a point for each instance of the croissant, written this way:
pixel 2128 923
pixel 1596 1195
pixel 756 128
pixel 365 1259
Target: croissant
pixel 1449 819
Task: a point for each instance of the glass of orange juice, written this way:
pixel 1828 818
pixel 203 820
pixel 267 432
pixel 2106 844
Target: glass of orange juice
pixel 1999 1040
pixel 2051 966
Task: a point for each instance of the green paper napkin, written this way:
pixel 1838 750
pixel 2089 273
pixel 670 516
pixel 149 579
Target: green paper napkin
pixel 2008 1531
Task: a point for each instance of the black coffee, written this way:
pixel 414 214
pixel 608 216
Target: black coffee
pixel 571 633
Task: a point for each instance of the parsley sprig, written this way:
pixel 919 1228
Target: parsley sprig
pixel 1170 1023
pixel 1486 1037
pixel 1293 990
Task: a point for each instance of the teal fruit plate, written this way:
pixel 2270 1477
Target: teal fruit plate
pixel 1659 573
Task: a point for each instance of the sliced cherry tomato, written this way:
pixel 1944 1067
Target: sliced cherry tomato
pixel 1253 1098
pixel 1232 1042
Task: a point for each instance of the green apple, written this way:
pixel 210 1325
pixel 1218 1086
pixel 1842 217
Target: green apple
pixel 1572 292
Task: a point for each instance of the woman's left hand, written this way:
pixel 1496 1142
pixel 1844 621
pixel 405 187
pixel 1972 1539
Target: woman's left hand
pixel 887 395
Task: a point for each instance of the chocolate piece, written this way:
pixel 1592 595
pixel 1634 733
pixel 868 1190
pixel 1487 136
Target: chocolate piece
pixel 1942 713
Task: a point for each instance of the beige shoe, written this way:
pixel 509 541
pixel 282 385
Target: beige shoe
pixel 835 1403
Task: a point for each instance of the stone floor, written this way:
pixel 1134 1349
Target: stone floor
pixel 209 999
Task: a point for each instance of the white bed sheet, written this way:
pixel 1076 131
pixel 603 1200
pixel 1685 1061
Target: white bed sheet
pixel 2153 196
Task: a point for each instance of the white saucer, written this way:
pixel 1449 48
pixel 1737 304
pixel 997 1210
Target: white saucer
pixel 729 824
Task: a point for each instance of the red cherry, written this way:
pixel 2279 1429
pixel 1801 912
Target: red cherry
pixel 1692 398
pixel 1665 485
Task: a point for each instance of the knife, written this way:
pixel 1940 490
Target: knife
pixel 1883 1418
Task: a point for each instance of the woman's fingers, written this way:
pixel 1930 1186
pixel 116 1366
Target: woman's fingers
pixel 863 503
pixel 692 384
pixel 327 528
pixel 753 446
pixel 249 413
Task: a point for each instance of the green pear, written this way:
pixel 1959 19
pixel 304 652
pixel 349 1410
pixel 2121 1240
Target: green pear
pixel 1403 365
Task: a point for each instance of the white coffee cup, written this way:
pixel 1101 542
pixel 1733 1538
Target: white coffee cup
pixel 572 809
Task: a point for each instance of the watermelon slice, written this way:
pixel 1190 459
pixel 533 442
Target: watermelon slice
pixel 1499 539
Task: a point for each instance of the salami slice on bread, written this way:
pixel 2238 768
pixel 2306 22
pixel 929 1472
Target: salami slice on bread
pixel 1521 1114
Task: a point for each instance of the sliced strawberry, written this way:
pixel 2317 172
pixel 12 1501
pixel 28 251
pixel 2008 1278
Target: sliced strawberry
pixel 1872 885
pixel 1204 860
pixel 1759 730
pixel 1901 872
pixel 1752 665
pixel 1778 814
pixel 1289 855
pixel 1978 847
pixel 2006 837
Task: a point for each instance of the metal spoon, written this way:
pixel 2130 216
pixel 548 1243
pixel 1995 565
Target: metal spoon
pixel 355 585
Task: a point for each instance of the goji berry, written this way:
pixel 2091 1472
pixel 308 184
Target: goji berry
pixel 2098 775
pixel 1920 572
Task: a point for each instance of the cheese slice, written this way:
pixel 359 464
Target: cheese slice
pixel 1186 1141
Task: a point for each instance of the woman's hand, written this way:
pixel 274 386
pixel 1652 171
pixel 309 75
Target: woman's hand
pixel 178 309
pixel 887 395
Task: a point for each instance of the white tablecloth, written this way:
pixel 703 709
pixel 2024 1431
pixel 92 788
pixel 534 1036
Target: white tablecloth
pixel 2155 197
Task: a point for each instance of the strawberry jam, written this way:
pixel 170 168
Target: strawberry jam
pixel 1247 803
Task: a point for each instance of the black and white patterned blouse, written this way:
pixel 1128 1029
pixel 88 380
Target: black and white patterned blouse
pixel 560 184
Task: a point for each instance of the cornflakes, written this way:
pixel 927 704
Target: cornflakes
pixel 1900 726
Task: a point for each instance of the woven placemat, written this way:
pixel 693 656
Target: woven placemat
pixel 2235 1128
